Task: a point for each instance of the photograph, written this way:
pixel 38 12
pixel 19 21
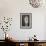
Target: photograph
pixel 26 20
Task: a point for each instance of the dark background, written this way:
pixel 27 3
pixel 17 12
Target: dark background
pixel 23 23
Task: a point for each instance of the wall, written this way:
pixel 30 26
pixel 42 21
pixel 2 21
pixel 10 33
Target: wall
pixel 13 8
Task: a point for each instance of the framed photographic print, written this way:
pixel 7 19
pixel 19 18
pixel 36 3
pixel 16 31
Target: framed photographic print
pixel 25 20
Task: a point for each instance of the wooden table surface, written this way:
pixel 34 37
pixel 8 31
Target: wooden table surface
pixel 26 41
pixel 44 41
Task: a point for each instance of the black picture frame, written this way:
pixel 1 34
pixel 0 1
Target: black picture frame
pixel 26 24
